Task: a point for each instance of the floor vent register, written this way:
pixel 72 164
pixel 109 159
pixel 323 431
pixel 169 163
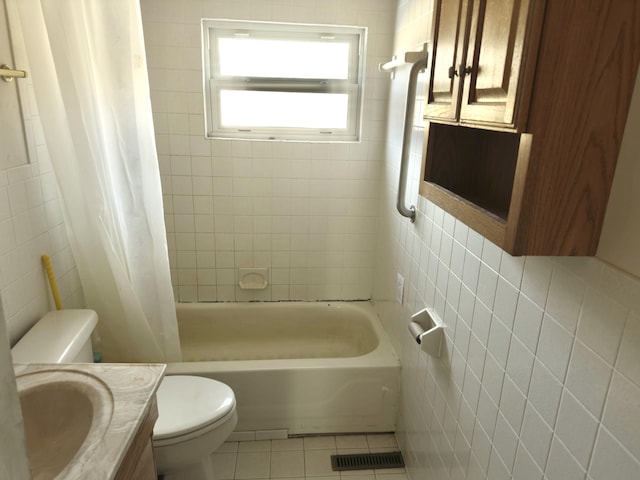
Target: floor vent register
pixel 366 461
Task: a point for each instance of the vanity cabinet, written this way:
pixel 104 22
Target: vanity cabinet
pixel 523 147
pixel 482 61
pixel 138 462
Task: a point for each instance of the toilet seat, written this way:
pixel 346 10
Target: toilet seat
pixel 210 403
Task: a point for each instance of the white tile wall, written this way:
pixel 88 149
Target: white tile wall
pixel 540 372
pixel 32 224
pixel 515 384
pixel 306 211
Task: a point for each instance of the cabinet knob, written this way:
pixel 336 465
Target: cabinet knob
pixel 465 70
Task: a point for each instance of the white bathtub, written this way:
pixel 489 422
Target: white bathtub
pixel 302 367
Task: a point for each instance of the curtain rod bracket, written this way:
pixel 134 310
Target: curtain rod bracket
pixel 407 57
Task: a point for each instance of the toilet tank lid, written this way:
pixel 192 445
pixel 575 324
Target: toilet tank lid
pixel 56 338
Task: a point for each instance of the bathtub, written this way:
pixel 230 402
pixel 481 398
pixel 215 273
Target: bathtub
pixel 301 367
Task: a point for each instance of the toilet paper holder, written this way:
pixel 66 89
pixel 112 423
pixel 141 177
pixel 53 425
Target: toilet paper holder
pixel 426 328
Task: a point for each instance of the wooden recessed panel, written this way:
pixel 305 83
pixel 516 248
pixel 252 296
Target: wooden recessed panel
pixel 476 165
pixel 448 48
pixel 504 35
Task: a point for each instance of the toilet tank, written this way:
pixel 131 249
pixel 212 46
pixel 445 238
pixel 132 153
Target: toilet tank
pixel 61 336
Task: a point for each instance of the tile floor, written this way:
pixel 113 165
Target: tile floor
pixel 305 458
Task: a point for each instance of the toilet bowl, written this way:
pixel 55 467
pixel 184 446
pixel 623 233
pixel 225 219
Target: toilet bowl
pixel 195 414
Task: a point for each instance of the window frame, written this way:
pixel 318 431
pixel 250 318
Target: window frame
pixel 214 82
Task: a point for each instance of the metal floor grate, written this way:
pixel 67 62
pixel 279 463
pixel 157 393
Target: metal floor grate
pixel 367 461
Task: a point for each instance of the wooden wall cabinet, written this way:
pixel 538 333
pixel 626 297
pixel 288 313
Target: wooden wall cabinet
pixel 523 148
pixel 482 61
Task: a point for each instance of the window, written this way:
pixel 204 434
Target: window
pixel 280 81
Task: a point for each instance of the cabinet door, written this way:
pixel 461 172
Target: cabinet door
pixel 443 98
pixel 502 50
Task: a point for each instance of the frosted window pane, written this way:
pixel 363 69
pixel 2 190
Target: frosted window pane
pixel 242 108
pixel 250 57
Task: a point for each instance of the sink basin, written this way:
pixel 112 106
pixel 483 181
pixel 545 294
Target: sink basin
pixel 65 414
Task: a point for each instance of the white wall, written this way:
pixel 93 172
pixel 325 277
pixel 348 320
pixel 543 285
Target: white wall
pixel 306 211
pixel 621 231
pixel 540 374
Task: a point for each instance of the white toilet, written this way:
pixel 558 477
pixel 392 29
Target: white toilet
pixel 195 414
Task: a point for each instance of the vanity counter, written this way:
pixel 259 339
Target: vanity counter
pixel 124 410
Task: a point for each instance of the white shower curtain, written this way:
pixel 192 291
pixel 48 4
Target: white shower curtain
pixel 88 67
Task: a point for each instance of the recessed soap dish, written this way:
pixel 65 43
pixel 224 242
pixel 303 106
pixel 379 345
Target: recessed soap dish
pixel 253 278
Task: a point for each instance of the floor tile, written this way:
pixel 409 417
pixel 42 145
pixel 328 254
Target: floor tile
pixel 351 474
pixel 255 446
pixel 227 447
pixel 301 458
pixel 352 451
pixel 391 476
pixel 224 465
pixel 253 465
pixel 318 463
pixel 382 440
pixel 287 464
pixel 288 444
pixel 351 441
pixel 322 442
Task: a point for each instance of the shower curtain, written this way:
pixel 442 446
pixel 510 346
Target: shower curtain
pixel 88 68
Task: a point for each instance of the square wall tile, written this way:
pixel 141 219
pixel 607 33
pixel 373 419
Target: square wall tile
pixel 512 269
pixel 536 436
pixel 499 341
pixel 506 302
pixel 576 428
pixel 525 467
pixel 628 362
pixel 588 378
pixel 622 413
pixel 611 459
pixel 512 404
pixel 536 279
pixel 528 322
pixel 554 348
pixel 601 324
pixel 520 365
pixel 561 464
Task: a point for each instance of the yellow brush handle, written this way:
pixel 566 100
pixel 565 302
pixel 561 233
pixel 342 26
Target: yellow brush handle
pixel 52 281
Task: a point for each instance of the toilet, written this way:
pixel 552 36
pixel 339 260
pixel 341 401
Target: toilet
pixel 195 414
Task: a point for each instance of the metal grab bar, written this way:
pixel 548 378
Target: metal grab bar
pixel 406 139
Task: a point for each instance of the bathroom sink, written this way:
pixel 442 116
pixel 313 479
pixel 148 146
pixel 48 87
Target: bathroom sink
pixel 65 414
